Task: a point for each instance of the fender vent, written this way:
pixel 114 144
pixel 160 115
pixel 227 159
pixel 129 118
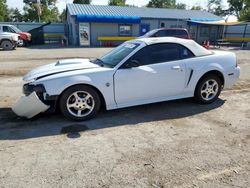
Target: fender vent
pixel 190 76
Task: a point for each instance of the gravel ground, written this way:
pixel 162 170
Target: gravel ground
pixel 170 144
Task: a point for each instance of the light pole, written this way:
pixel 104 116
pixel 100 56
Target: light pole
pixel 39 11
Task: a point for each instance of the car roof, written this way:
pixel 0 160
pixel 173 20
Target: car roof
pixel 181 29
pixel 172 29
pixel 5 25
pixel 194 47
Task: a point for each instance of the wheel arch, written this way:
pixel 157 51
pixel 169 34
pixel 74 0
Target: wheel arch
pixel 213 72
pixel 5 40
pixel 103 102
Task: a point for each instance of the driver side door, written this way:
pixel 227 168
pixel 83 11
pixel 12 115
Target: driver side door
pixel 159 74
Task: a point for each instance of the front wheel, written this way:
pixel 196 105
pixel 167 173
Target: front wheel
pixel 80 103
pixel 208 89
pixel 7 45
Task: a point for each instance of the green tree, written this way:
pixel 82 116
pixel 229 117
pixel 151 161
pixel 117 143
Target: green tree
pixel 215 7
pixel 236 7
pixel 196 7
pixel 46 10
pixel 117 2
pixel 162 3
pixel 15 15
pixel 245 12
pixel 181 6
pixel 82 1
pixel 62 16
pixel 3 11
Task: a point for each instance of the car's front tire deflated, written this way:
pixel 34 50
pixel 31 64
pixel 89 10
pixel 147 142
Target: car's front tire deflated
pixel 80 102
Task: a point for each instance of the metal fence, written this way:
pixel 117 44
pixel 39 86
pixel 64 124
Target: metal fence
pixel 53 32
pixel 240 33
pixel 27 26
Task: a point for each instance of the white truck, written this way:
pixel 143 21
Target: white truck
pixel 8 40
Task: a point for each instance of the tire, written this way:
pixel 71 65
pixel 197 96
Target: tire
pixel 21 41
pixel 7 45
pixel 79 103
pixel 208 89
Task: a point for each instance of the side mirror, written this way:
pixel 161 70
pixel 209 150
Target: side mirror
pixel 132 63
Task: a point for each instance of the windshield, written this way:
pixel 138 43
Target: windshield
pixel 150 33
pixel 15 29
pixel 119 53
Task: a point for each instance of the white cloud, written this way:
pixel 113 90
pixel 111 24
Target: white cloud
pixel 15 4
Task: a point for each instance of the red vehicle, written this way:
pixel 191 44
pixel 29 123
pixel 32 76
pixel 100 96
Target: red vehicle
pixel 25 38
pixel 168 32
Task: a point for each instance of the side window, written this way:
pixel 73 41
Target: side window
pixel 5 29
pixel 125 30
pixel 181 33
pixel 142 56
pixel 160 33
pixel 170 33
pixel 8 29
pixel 185 53
pixel 157 53
pixel 160 53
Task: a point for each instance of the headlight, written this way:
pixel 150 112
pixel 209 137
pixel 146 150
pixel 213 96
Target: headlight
pixel 29 88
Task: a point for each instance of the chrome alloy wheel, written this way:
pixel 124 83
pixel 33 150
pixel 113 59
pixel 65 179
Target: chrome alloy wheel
pixel 209 89
pixel 80 103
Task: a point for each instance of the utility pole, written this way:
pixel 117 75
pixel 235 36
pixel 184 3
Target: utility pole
pixel 39 11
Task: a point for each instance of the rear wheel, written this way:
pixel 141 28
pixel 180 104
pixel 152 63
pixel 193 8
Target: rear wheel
pixel 7 45
pixel 80 102
pixel 208 89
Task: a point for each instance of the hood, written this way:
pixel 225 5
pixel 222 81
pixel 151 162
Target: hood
pixel 59 67
pixel 24 35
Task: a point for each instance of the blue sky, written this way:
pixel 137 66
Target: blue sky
pixel 62 3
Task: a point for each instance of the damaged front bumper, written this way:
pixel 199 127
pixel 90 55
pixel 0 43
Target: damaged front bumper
pixel 29 106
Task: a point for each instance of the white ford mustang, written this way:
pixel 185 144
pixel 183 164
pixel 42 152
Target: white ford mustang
pixel 137 72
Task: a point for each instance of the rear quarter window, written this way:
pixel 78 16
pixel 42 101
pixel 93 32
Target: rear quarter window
pixel 185 53
pixel 170 32
pixel 181 32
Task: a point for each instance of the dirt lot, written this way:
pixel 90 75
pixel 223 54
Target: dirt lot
pixel 170 144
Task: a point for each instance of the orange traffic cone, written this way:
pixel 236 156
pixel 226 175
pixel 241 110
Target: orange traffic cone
pixel 208 44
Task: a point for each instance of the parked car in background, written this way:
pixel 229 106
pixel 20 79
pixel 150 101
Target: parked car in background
pixel 168 32
pixel 140 71
pixel 8 41
pixel 25 38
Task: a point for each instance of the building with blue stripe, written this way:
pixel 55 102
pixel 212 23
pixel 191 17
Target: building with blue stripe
pixel 95 25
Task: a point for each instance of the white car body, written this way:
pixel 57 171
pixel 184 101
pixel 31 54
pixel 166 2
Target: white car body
pixel 139 85
pixel 12 37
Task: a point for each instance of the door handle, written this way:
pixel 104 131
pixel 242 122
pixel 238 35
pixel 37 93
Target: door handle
pixel 177 67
